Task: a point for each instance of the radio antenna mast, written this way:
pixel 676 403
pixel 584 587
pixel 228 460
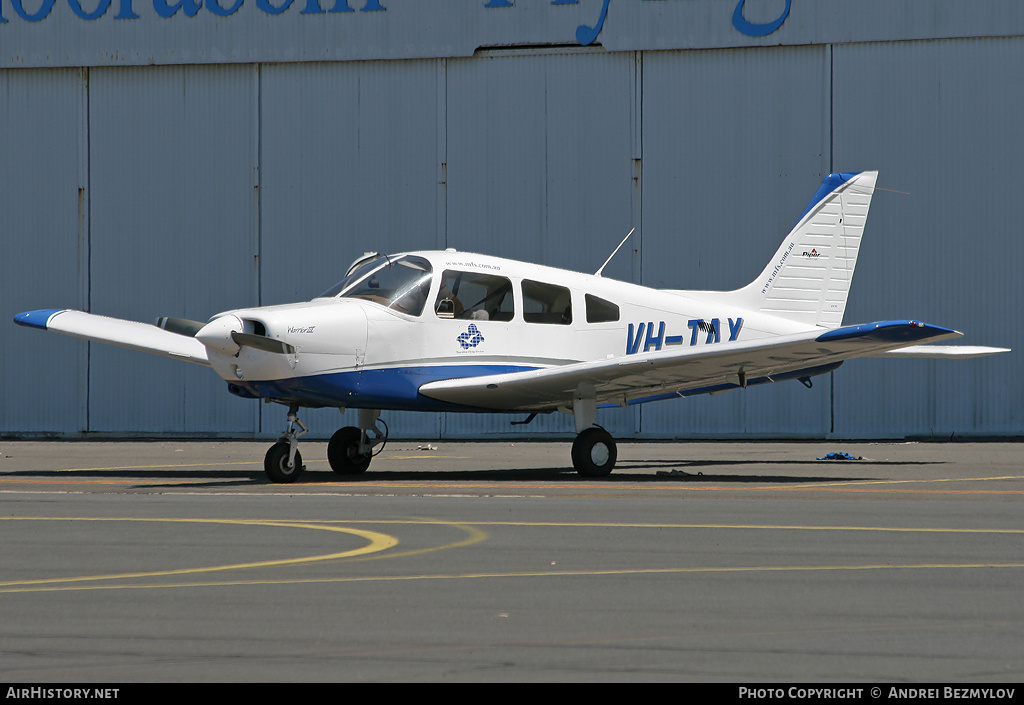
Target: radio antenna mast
pixel 598 272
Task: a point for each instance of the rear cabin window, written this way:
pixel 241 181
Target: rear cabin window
pixel 600 311
pixel 474 296
pixel 546 303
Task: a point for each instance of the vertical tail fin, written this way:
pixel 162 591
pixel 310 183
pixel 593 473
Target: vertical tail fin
pixel 808 279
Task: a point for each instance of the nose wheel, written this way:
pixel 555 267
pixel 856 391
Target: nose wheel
pixel 280 465
pixel 283 462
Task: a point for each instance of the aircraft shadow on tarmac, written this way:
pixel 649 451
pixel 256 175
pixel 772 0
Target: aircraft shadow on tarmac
pixel 666 470
pixel 688 470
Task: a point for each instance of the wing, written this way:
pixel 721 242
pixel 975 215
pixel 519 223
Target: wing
pixel 658 375
pixel 127 334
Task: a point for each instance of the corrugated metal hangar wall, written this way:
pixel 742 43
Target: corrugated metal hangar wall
pixel 223 179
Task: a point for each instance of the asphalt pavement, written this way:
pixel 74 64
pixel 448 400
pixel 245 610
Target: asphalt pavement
pixel 494 562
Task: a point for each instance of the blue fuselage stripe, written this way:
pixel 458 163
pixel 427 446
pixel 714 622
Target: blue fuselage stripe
pixel 380 388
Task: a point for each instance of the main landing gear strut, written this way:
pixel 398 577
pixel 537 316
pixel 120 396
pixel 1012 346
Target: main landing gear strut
pixel 349 451
pixel 593 451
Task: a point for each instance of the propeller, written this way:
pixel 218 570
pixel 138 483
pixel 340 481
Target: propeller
pixel 262 342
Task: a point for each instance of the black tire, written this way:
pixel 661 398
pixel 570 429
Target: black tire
pixel 275 464
pixel 594 452
pixel 343 452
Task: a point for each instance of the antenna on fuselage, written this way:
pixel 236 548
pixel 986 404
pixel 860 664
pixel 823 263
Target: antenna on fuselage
pixel 598 272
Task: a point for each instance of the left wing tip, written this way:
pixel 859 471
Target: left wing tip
pixel 38 318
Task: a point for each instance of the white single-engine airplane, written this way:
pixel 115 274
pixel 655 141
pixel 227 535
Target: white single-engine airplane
pixel 453 331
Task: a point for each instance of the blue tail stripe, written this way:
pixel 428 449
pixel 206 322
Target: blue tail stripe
pixel 828 185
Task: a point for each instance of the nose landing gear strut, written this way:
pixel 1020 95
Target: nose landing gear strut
pixel 283 462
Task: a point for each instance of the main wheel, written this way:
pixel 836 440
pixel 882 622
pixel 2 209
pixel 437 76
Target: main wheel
pixel 594 453
pixel 275 464
pixel 343 452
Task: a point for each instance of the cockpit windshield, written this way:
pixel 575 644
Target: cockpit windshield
pixel 359 269
pixel 401 284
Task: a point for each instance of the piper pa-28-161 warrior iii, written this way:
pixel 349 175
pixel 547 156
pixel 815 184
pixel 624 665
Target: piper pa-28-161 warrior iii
pixel 452 331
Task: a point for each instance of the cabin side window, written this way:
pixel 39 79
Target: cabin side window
pixel 546 303
pixel 474 296
pixel 599 310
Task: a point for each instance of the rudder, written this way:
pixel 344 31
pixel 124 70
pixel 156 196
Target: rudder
pixel 808 280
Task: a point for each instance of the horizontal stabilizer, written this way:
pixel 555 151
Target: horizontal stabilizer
pixel 942 352
pixel 897 332
pixel 116 331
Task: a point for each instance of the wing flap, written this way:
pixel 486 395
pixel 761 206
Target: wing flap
pixel 705 368
pixel 116 331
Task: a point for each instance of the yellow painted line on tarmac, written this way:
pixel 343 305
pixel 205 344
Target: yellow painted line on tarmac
pixel 375 542
pixel 854 490
pixel 164 466
pixel 474 535
pixel 859 486
pixel 537 574
pixel 254 463
pixel 642 525
pixel 424 457
pixel 896 491
pixel 378 542
pixel 937 479
pixel 692 482
pixel 738 527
